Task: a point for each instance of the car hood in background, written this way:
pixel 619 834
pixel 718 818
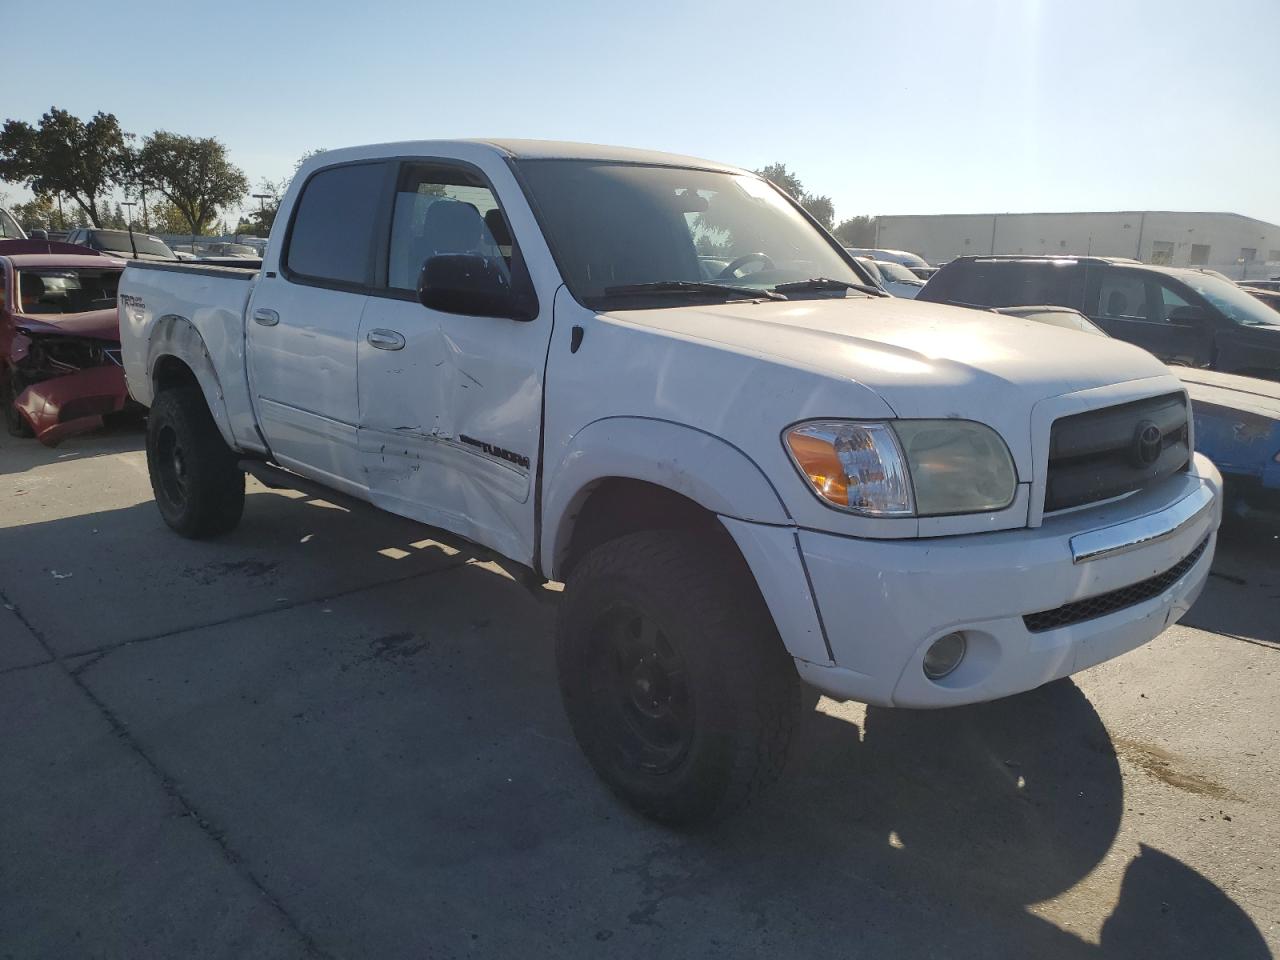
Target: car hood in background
pixel 95 324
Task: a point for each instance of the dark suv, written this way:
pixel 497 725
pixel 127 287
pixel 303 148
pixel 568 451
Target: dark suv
pixel 1185 316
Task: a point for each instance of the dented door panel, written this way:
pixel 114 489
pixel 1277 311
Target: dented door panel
pixel 449 423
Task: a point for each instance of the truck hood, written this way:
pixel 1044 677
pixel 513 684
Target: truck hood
pixel 923 359
pixel 94 324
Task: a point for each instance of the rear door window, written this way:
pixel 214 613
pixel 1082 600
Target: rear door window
pixel 332 235
pixel 1122 296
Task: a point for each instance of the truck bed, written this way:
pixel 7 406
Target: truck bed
pixel 194 311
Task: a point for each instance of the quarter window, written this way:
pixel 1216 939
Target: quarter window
pixel 331 239
pixel 441 209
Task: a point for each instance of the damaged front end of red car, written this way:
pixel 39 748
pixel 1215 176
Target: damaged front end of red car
pixel 63 382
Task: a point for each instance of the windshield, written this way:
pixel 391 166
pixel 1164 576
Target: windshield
pixel 614 225
pixel 1239 305
pixel 67 291
pixel 895 271
pixel 117 241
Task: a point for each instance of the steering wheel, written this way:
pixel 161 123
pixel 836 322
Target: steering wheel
pixel 731 271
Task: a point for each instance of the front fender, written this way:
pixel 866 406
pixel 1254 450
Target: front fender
pixel 177 337
pixel 709 471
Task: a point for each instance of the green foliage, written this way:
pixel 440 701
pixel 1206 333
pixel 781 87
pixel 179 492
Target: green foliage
pixel 193 173
pixel 41 213
pixel 167 218
pixel 820 207
pixel 857 232
pixel 65 155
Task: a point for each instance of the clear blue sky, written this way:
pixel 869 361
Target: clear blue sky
pixel 930 106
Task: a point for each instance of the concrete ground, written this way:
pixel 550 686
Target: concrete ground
pixel 330 735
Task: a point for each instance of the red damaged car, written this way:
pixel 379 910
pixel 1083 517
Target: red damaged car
pixel 60 371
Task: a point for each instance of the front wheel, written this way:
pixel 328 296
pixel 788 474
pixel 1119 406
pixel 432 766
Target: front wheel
pixel 194 474
pixel 673 676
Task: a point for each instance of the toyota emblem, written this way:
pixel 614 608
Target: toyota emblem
pixel 1148 442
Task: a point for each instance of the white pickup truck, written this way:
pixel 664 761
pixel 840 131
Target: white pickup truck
pixel 657 380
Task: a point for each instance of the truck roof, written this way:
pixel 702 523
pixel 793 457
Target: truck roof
pixel 530 150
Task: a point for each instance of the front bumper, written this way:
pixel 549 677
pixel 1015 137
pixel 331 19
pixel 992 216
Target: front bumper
pixel 882 603
pixel 73 403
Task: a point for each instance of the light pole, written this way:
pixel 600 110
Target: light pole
pixel 130 204
pixel 262 199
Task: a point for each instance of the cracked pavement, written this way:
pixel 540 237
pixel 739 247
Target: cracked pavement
pixel 337 734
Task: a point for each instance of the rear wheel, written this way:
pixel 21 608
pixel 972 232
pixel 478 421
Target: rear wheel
pixel 194 474
pixel 673 676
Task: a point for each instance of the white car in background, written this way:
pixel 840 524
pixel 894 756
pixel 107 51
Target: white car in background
pixel 912 261
pixel 898 280
pixel 892 278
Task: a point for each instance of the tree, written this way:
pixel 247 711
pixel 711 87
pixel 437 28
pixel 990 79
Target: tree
pixel 857 232
pixel 64 155
pixel 41 213
pixel 166 218
pixel 194 175
pixel 820 207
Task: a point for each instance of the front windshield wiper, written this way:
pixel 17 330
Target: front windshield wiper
pixel 689 286
pixel 827 283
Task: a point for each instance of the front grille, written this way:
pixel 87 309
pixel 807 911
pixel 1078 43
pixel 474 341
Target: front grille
pixel 1098 455
pixel 1078 611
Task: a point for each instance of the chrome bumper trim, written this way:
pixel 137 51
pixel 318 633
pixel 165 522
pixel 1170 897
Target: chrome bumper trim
pixel 1143 531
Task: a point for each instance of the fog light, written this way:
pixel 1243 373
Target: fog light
pixel 944 656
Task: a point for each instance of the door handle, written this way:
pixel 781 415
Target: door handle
pixel 385 339
pixel 265 317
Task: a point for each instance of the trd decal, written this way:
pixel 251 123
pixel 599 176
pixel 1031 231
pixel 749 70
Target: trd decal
pixel 518 459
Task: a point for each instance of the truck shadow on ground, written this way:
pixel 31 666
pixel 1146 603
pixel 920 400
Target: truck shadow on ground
pixel 985 811
pixel 905 833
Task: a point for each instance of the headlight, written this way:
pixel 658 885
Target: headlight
pixel 905 468
pixel 854 466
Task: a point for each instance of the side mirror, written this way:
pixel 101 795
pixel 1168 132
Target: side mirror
pixel 1189 317
pixel 473 286
pixel 39 234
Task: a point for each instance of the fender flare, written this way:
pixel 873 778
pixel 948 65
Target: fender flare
pixel 177 337
pixel 686 460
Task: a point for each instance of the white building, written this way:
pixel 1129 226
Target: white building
pixel 1240 247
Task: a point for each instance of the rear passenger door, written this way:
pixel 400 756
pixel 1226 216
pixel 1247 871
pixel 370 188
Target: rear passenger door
pixel 304 318
pixel 1137 306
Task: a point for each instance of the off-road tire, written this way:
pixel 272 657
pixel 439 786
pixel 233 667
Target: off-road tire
pixel 743 687
pixel 194 474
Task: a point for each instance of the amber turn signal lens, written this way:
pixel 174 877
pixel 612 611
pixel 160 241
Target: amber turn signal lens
pixel 817 457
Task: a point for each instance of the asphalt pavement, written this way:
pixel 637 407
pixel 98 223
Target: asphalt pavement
pixel 335 733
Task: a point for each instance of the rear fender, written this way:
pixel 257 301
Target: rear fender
pixel 177 337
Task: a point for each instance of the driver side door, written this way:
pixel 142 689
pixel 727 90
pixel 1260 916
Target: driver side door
pixel 450 406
